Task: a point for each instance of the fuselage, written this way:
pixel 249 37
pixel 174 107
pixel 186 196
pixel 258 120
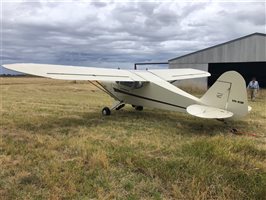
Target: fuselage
pixel 148 94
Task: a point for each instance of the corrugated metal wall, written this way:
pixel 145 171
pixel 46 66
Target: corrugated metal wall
pixel 247 49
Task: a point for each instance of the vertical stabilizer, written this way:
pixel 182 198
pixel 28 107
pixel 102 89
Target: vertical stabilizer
pixel 228 93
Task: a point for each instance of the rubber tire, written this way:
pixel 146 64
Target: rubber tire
pixel 106 111
pixel 139 108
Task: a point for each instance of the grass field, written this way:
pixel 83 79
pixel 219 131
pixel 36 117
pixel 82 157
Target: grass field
pixel 54 144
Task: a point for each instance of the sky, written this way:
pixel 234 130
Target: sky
pixel 117 33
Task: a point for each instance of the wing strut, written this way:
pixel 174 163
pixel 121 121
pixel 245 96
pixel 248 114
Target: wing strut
pixel 100 86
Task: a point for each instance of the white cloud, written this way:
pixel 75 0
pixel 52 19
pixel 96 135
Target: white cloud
pixel 119 34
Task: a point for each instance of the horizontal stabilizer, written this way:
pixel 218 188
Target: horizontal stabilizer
pixel 208 112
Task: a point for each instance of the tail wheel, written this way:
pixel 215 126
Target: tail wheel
pixel 139 108
pixel 106 111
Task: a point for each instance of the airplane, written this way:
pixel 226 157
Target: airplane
pixel 226 98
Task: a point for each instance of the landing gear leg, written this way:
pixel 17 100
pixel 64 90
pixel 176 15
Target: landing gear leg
pixel 120 106
pixel 117 106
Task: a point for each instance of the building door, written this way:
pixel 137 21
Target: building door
pixel 246 69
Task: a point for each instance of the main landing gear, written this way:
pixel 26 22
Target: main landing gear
pixel 117 106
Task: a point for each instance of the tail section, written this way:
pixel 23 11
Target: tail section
pixel 228 93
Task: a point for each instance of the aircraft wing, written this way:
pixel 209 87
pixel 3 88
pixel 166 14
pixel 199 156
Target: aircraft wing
pixel 102 74
pixel 179 74
pixel 65 72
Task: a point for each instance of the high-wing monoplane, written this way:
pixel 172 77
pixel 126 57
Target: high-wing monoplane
pixel 226 98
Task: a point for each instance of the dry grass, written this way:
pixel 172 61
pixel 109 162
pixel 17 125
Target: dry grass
pixel 54 144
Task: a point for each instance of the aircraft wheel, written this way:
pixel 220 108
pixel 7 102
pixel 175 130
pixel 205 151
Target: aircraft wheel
pixel 106 111
pixel 139 108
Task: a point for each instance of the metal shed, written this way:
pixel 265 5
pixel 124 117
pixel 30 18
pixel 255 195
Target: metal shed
pixel 247 55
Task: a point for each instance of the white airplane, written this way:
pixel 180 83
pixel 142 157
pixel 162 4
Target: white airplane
pixel 226 98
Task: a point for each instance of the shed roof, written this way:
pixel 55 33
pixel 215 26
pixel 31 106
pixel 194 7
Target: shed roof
pixel 231 41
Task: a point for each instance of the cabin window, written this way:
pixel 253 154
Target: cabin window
pixel 130 84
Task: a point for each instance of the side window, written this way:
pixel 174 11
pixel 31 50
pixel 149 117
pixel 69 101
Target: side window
pixel 130 84
pixel 127 84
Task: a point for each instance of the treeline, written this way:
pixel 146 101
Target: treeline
pixel 17 75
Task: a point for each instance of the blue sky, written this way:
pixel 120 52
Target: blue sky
pixel 118 34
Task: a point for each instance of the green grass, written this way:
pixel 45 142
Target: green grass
pixel 54 144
